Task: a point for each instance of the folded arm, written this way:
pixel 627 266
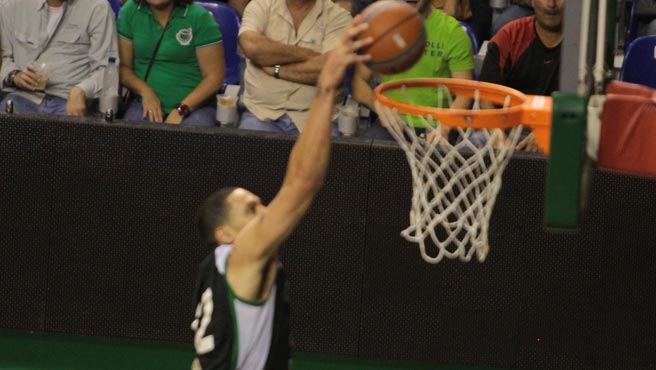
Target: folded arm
pixel 304 72
pixel 264 52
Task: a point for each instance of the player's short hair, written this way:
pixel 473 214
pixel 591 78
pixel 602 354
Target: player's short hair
pixel 213 213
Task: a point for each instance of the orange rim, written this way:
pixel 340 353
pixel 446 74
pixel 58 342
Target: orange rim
pixel 530 110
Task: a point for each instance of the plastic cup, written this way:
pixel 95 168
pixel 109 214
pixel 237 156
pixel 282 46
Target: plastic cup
pixel 42 76
pixel 226 110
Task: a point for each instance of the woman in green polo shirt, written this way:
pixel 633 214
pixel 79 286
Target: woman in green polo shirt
pixel 187 70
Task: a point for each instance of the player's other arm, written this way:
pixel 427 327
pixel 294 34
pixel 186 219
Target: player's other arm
pixel 257 243
pixel 361 88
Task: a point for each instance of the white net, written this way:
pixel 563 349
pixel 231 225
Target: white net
pixel 455 183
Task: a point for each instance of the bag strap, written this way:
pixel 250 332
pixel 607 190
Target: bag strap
pixel 152 57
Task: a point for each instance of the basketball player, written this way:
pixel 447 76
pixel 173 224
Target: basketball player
pixel 241 315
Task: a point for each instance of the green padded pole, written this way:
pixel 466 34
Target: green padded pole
pixel 566 159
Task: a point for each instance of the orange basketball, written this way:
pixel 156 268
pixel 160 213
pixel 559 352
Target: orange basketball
pixel 398 33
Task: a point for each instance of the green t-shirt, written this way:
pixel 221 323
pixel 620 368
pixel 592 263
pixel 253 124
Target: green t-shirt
pixel 448 49
pixel 175 71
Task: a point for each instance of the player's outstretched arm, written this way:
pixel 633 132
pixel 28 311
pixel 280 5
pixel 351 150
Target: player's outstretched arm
pixel 257 243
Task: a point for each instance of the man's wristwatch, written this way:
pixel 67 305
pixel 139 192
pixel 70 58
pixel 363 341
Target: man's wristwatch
pixel 9 81
pixel 183 110
pixel 276 71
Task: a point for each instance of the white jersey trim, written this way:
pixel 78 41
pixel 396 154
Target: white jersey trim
pixel 253 323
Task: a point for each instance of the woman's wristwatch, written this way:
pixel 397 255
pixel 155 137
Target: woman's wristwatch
pixel 183 110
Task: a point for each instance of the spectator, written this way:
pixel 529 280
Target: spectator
pixel 518 9
pixel 285 43
pixel 448 54
pixel 645 13
pixel 454 8
pixel 351 6
pixel 188 68
pixel 525 54
pixel 69 41
pixel 237 5
pixel 476 13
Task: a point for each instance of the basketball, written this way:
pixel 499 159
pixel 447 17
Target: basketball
pixel 398 34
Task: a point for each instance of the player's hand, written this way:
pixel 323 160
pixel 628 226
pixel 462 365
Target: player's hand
pixel 343 55
pixel 528 144
pixel 27 79
pixel 76 102
pixel 152 107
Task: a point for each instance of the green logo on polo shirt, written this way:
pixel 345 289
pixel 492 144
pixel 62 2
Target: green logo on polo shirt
pixel 184 36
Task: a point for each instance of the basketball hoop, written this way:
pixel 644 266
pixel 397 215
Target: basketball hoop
pixel 455 184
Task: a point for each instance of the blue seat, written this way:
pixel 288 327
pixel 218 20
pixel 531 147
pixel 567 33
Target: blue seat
pixel 229 23
pixel 640 62
pixel 472 36
pixel 116 6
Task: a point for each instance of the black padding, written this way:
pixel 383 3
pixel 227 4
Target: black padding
pixel 97 237
pixel 618 320
pixel 541 300
pixel 26 181
pixel 126 241
pixel 323 261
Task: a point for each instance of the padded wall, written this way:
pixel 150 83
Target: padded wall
pixel 97 237
pixel 510 311
pixel 324 259
pixel 542 300
pixel 102 217
pixel 26 186
pixel 618 270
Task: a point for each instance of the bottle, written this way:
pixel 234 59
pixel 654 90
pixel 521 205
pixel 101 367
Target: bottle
pixel 109 95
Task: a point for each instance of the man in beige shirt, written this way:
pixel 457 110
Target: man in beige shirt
pixel 285 43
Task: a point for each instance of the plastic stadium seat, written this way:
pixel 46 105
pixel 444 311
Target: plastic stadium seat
pixel 228 21
pixel 627 130
pixel 116 6
pixel 472 36
pixel 640 62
